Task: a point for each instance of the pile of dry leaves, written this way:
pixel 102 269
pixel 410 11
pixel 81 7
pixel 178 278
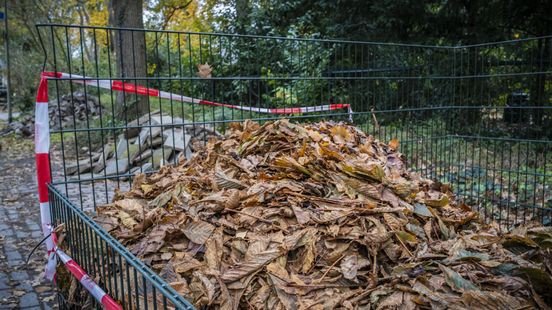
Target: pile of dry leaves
pixel 319 216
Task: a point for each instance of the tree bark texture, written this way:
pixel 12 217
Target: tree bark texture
pixel 129 48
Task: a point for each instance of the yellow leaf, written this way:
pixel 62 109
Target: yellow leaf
pixel 394 144
pixel 340 134
pixel 407 237
pixel 146 188
pixel 309 256
pixel 437 202
pixel 126 219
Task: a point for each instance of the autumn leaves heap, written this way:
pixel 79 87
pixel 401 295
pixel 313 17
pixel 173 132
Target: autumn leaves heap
pixel 320 216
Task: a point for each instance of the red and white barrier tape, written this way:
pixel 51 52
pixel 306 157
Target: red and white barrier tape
pixel 94 289
pixel 141 90
pixel 42 157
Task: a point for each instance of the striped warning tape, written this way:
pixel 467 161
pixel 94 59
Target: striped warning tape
pixel 42 157
pixel 141 90
pixel 94 289
pixel 43 176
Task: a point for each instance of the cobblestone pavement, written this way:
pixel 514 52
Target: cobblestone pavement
pixel 21 286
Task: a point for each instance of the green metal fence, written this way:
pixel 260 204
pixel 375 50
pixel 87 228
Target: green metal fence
pixel 478 117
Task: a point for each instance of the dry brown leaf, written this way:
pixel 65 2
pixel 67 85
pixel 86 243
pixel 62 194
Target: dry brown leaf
pixel 185 263
pixel 208 286
pixel 301 214
pixel 214 250
pixel 393 222
pixel 288 300
pixel 198 231
pixel 309 256
pixel 204 70
pixel 349 266
pixel 260 297
pixel 243 268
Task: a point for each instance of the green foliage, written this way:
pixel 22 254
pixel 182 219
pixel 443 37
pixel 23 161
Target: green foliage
pixel 431 22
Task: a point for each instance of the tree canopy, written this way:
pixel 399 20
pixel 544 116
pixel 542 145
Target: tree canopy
pixel 407 21
pixel 445 22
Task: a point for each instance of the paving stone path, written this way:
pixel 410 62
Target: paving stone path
pixel 21 286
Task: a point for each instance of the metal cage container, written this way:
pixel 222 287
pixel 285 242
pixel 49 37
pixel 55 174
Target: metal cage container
pixel 478 117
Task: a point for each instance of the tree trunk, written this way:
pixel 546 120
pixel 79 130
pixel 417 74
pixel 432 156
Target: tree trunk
pixel 129 48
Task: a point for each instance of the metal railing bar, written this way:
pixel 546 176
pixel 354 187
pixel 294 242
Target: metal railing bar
pixel 146 272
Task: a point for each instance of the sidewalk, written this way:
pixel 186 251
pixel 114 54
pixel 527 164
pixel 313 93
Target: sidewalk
pixel 21 286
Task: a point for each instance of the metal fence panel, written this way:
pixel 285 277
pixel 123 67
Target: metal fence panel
pixel 478 117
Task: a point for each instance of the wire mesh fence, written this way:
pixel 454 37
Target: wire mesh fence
pixel 478 117
pixel 127 280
